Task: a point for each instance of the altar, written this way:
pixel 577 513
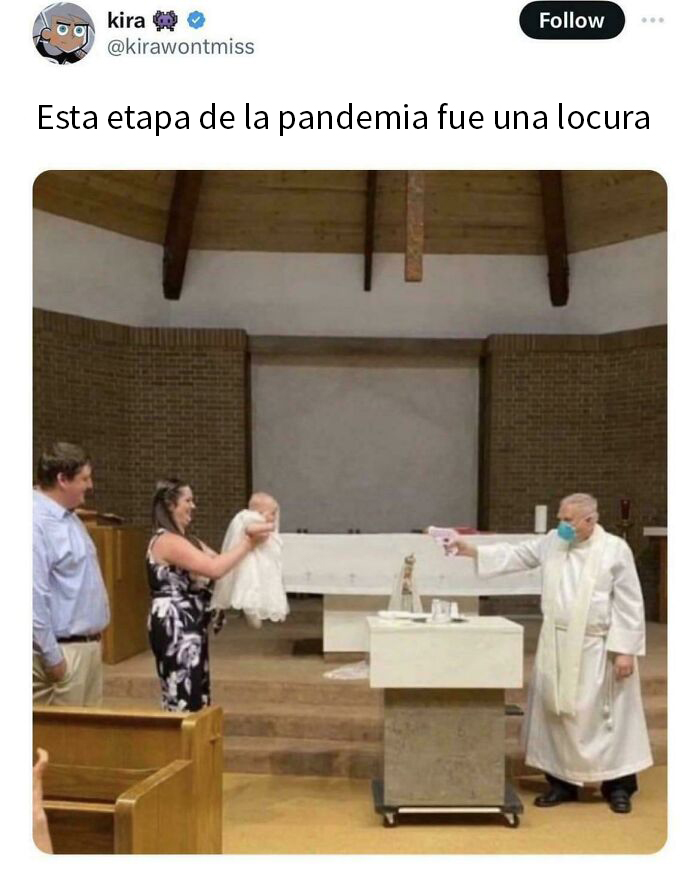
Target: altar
pixel 356 574
pixel 444 713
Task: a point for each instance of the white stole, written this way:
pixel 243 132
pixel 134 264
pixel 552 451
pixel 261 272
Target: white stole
pixel 559 682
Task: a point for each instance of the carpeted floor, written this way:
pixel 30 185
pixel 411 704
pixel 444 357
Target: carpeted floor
pixel 279 814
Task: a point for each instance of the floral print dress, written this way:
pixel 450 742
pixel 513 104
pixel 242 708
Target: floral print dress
pixel 177 630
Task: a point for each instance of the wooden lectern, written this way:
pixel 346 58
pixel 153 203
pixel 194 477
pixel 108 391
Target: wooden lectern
pixel 122 553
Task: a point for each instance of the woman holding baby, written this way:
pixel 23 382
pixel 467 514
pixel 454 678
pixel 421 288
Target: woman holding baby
pixel 180 570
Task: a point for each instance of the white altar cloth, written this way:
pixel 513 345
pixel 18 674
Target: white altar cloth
pixel 369 564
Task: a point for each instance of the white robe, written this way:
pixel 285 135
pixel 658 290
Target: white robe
pixel 606 736
pixel 255 584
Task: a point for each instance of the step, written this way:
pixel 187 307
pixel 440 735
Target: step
pixel 342 723
pixel 236 694
pixel 302 756
pixel 655 709
pixel 314 707
pixel 140 689
pixel 362 759
pixel 329 722
pixel 360 722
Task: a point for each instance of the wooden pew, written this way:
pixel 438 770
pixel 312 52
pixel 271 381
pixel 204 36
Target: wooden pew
pixel 120 810
pixel 123 742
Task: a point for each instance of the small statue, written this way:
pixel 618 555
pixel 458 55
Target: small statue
pixel 405 596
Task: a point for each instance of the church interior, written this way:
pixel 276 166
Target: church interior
pixel 382 351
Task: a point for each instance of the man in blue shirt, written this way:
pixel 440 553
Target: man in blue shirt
pixel 70 607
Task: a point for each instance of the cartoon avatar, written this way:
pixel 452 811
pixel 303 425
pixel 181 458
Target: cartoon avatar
pixel 63 33
pixel 165 21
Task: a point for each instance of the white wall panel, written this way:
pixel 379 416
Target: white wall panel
pixel 83 270
pixel 379 448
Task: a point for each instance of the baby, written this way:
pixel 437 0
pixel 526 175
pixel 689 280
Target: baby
pixel 255 584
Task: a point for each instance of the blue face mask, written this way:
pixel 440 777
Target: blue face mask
pixel 566 531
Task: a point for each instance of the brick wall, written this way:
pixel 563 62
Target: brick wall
pixel 82 382
pixel 559 414
pixel 577 413
pixel 147 403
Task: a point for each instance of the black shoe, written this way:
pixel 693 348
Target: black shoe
pixel 556 795
pixel 619 801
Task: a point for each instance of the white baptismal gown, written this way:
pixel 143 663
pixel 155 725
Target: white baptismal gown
pixel 255 584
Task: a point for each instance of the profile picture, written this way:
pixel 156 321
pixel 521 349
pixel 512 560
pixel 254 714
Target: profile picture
pixel 63 33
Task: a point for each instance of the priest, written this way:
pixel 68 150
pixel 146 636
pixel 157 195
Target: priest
pixel 585 721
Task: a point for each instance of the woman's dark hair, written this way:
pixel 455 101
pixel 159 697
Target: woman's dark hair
pixel 66 458
pixel 166 496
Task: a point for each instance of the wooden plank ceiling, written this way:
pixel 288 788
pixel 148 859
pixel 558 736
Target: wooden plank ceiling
pixel 480 212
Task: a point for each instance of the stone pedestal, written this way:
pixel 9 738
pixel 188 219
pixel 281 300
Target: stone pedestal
pixel 444 746
pixel 444 708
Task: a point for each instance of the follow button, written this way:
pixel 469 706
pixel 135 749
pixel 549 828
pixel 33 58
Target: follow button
pixel 578 20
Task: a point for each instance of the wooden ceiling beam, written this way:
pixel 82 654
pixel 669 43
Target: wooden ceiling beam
pixel 555 236
pixel 370 212
pixel 178 234
pixel 415 225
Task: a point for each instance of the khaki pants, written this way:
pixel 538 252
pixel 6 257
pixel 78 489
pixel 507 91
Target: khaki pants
pixel 82 683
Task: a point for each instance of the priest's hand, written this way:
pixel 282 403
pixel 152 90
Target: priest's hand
pixel 624 666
